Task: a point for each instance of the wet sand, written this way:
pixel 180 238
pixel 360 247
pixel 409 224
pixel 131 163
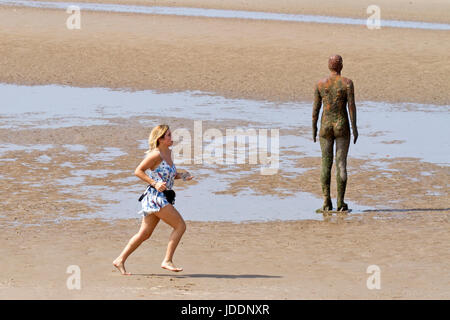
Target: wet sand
pixel 88 169
pixel 279 259
pixel 43 230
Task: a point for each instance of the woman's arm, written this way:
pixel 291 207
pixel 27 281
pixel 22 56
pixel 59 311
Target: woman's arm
pixel 149 162
pixel 186 175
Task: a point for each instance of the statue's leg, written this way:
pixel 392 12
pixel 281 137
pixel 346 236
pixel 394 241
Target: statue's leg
pixel 342 144
pixel 326 144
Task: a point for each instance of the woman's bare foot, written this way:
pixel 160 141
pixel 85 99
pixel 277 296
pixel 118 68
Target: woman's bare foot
pixel 121 267
pixel 170 266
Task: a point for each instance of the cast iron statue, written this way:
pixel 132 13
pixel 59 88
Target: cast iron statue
pixel 335 92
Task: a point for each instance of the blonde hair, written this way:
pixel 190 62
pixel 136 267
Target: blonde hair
pixel 157 132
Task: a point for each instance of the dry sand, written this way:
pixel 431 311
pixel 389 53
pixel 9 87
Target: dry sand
pixel 276 260
pixel 235 58
pixel 415 10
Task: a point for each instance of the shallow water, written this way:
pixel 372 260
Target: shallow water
pixel 108 154
pixel 225 14
pixel 6 147
pixel 386 131
pixel 195 203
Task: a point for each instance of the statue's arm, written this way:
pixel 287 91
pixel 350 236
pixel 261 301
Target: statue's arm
pixel 316 109
pixel 352 109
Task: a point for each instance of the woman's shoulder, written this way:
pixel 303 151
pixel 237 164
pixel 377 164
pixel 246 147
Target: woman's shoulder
pixel 153 153
pixel 153 156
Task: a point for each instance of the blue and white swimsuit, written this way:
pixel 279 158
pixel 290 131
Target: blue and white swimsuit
pixel 154 200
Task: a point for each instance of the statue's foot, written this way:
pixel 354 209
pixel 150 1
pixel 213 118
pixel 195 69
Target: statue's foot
pixel 342 207
pixel 327 205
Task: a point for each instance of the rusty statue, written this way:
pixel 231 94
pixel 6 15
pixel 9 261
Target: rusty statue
pixel 335 92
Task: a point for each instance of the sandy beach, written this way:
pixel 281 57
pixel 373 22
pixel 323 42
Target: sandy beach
pixel 276 260
pixel 234 58
pixel 43 234
pixel 419 10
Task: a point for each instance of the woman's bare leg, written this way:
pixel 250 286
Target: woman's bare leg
pixel 172 217
pixel 149 223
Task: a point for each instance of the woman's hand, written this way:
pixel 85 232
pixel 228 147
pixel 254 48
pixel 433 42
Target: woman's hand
pixel 186 176
pixel 160 186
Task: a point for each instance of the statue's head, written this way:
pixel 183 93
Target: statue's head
pixel 335 63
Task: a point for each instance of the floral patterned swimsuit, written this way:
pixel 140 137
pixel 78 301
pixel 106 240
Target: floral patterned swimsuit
pixel 154 200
